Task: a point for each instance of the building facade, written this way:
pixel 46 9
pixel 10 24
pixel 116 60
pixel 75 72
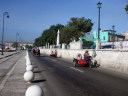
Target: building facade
pixel 105 36
pixel 21 45
pixel 108 36
pixel 87 37
pixel 126 35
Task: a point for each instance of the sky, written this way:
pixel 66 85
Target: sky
pixel 30 17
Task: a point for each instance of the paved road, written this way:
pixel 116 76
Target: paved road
pixel 62 79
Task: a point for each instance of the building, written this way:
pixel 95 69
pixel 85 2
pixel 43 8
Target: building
pixel 108 36
pixel 21 45
pixel 87 37
pixel 126 35
pixel 105 36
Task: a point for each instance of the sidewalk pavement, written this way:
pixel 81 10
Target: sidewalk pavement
pixel 6 54
pixel 14 84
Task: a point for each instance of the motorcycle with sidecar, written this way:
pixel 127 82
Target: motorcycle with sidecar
pixel 82 62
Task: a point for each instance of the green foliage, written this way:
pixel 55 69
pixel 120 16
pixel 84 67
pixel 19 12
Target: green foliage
pixel 75 28
pixel 81 24
pixel 26 46
pixel 48 36
pixel 15 44
pixel 87 44
pixel 126 8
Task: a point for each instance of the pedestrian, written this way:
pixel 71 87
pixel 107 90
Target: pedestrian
pixel 38 51
pixel 52 53
pixel 33 52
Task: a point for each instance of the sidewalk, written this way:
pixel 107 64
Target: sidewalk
pixel 14 83
pixel 6 54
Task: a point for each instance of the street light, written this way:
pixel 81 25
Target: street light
pixel 99 6
pixel 21 43
pixel 113 36
pixel 17 34
pixel 98 45
pixel 4 14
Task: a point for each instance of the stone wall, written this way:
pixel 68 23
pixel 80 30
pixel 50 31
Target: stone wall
pixel 76 45
pixel 110 59
pixel 123 45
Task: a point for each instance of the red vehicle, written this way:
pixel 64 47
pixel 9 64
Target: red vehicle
pixel 82 62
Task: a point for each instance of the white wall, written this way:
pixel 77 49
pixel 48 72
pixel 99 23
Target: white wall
pixel 76 45
pixel 123 45
pixel 110 59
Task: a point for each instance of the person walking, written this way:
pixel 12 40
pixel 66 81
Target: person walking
pixel 38 52
pixel 34 52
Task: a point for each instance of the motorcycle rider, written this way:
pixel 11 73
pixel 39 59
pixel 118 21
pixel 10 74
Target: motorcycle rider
pixel 86 54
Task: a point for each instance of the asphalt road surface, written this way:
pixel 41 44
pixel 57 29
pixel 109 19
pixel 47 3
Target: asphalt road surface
pixel 62 79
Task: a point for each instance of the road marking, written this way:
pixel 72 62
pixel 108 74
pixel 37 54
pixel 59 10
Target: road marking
pixel 76 69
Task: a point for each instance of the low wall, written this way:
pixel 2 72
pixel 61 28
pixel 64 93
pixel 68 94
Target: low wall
pixel 110 59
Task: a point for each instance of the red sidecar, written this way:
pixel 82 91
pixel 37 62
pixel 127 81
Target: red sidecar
pixel 89 62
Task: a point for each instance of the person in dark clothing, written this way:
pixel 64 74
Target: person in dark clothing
pixel 34 52
pixel 38 51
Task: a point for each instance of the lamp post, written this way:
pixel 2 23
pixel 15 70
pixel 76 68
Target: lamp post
pixel 113 36
pixel 99 6
pixel 17 34
pixel 20 43
pixel 98 45
pixel 4 14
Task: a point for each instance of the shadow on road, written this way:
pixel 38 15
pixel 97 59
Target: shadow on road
pixel 38 81
pixel 37 71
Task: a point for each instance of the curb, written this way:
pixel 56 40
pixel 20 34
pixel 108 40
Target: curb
pixel 9 55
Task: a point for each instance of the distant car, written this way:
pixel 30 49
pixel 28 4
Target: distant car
pixel 108 47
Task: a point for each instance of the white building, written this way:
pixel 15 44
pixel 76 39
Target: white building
pixel 126 35
pixel 20 45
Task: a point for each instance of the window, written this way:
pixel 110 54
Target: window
pixel 83 39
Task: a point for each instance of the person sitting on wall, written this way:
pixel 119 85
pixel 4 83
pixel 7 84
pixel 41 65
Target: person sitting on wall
pixel 86 54
pixel 52 53
pixel 55 53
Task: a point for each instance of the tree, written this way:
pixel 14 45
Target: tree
pixel 75 28
pixel 15 44
pixel 26 46
pixel 48 36
pixel 126 8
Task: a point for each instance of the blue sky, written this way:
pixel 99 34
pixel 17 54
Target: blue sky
pixel 30 17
